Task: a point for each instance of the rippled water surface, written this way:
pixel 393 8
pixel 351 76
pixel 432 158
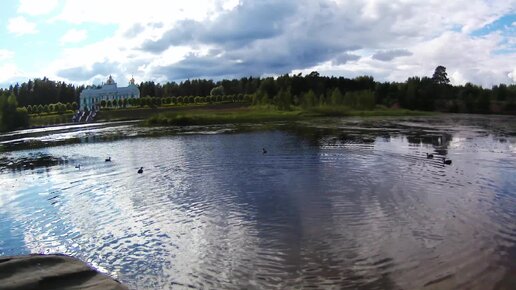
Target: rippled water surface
pixel 335 203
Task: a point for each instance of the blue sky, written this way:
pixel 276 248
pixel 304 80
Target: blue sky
pixel 84 41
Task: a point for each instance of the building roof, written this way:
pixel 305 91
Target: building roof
pixel 110 89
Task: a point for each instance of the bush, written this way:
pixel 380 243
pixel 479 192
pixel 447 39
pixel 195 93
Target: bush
pixel 60 108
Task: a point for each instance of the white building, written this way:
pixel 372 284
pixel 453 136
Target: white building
pixel 90 98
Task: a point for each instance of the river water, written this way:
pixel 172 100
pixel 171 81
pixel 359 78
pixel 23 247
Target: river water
pixel 334 203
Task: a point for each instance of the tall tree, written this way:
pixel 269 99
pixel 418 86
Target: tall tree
pixel 440 76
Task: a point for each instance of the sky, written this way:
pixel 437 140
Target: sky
pixel 83 42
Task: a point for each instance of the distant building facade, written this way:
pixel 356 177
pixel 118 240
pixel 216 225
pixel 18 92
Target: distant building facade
pixel 91 98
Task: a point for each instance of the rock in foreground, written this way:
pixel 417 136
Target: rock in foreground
pixel 57 272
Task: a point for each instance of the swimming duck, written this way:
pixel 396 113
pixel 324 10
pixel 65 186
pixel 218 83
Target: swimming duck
pixel 264 151
pixel 429 156
pixel 140 171
pixel 446 161
pixel 108 159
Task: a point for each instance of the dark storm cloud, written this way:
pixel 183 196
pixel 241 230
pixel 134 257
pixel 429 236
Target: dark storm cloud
pixel 248 22
pixel 389 55
pixel 84 73
pixel 343 58
pixel 184 32
pixel 276 37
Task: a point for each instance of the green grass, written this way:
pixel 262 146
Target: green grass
pixel 138 113
pixel 256 114
pixel 216 116
pixel 49 119
pixel 205 114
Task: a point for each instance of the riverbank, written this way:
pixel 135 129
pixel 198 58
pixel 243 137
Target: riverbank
pixel 127 114
pixel 251 114
pixel 204 114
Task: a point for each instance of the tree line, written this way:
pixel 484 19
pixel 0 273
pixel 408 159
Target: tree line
pixel 432 93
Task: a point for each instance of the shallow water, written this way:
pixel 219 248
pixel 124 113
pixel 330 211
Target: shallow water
pixel 335 203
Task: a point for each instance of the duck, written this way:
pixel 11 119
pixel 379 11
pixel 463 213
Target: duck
pixel 446 161
pixel 108 159
pixel 264 151
pixel 429 156
pixel 78 166
pixel 140 171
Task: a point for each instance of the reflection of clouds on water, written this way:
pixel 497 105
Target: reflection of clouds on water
pixel 343 209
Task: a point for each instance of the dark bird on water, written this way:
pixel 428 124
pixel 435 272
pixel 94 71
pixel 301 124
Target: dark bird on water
pixel 108 159
pixel 78 166
pixel 264 151
pixel 446 161
pixel 140 170
pixel 429 156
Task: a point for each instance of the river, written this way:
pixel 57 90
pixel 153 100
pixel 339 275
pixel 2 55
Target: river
pixel 334 203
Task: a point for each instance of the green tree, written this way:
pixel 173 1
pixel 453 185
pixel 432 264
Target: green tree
pixel 60 108
pixel 336 97
pixel 12 117
pixel 440 76
pixel 283 100
pixel 308 100
pixel 217 91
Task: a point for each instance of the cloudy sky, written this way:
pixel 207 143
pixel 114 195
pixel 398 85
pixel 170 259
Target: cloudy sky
pixel 84 41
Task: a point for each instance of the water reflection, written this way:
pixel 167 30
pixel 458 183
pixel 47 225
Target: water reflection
pixel 342 204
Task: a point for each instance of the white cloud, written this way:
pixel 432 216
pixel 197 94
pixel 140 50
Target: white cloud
pixel 37 7
pixel 324 35
pixel 73 36
pixel 512 75
pixel 9 72
pixel 6 54
pixel 128 12
pixel 19 25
